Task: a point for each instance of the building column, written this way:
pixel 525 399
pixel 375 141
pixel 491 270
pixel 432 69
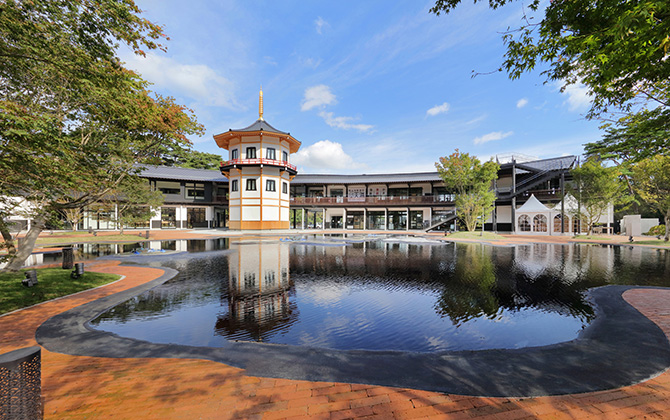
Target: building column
pixel 302 224
pixel 365 218
pixel 323 217
pixel 344 219
pixel 386 217
pixel 116 216
pixel 407 219
pixel 562 203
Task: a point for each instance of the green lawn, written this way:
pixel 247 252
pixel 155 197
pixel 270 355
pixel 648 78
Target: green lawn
pixel 476 235
pixel 592 237
pixel 657 242
pixel 89 238
pixel 52 283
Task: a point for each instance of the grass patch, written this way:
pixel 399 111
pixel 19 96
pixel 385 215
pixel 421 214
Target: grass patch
pixel 88 238
pixel 476 235
pixel 657 242
pixel 52 283
pixel 592 237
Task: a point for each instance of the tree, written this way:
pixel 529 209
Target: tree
pixel 651 179
pixel 596 188
pixel 135 201
pixel 189 158
pixel 471 181
pixel 618 49
pixel 74 124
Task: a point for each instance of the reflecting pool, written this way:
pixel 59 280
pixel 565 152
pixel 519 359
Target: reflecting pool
pixel 380 293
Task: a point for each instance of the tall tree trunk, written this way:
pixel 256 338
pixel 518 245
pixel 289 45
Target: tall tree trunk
pixel 7 237
pixel 667 226
pixel 26 245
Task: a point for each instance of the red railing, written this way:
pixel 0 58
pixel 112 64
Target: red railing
pixel 381 200
pixel 271 162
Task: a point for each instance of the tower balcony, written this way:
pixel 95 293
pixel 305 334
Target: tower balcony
pixel 236 163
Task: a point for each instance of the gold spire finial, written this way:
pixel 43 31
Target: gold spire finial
pixel 260 104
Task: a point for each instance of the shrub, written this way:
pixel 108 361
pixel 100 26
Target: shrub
pixel 656 230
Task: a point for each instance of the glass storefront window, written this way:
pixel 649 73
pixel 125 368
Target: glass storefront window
pixel 397 220
pixel 376 220
pixel 416 219
pixel 168 217
pixel 355 220
pixel 195 217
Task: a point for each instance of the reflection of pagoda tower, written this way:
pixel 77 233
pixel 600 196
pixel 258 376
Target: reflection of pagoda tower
pixel 258 290
pixel 259 174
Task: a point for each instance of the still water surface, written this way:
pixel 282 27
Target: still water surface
pixel 380 293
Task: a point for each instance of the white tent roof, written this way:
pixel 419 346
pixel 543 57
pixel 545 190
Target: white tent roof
pixel 570 203
pixel 533 205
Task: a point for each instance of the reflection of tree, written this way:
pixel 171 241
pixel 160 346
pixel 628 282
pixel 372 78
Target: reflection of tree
pixel 484 283
pixel 470 293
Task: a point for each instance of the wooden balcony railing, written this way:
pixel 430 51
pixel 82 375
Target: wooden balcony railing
pixel 271 162
pixel 379 200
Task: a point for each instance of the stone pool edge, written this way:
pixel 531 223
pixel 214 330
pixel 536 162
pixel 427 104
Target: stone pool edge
pixel 622 347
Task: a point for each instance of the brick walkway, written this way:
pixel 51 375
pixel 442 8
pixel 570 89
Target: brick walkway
pixel 97 388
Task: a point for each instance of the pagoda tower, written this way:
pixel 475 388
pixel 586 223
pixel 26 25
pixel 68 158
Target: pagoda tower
pixel 259 174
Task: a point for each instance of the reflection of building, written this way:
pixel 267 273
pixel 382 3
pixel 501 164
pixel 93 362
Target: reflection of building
pixel 258 289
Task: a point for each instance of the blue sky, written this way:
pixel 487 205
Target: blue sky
pixel 367 87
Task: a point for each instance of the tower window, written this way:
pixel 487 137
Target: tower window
pixel 251 153
pixel 251 184
pixel 270 185
pixel 234 185
pixel 284 187
pixel 270 153
pixel 233 154
pixel 284 155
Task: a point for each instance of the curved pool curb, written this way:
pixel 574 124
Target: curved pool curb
pixel 621 347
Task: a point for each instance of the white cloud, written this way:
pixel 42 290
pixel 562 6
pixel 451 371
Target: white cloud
pixel 320 24
pixel 438 109
pixel 317 96
pixel 344 122
pixel 578 97
pixel 195 81
pixel 521 103
pixel 324 155
pixel 496 135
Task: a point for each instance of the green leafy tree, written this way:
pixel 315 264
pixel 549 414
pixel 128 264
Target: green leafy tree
pixel 471 181
pixel 189 158
pixel 596 188
pixel 651 179
pixel 134 201
pixel 618 49
pixel 74 124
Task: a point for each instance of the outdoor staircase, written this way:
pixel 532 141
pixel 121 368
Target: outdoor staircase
pixel 441 220
pixel 529 183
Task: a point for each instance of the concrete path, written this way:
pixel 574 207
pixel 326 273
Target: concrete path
pixel 80 387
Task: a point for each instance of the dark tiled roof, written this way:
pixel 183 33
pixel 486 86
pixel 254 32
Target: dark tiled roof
pixel 182 174
pixel 260 125
pixel 366 179
pixel 563 162
pixel 187 174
